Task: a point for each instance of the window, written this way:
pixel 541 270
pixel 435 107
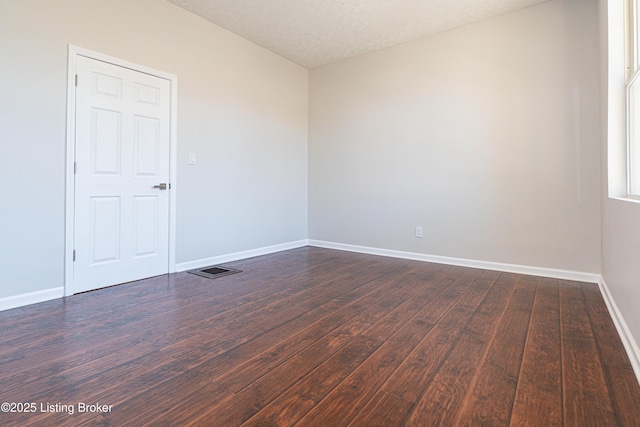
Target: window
pixel 633 98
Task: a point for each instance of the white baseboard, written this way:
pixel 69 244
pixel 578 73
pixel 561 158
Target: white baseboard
pixel 199 263
pixel 15 301
pixel 486 265
pixel 630 344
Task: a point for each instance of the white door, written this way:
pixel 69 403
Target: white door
pixel 121 230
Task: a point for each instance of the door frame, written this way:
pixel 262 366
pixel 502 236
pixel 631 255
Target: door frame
pixel 73 53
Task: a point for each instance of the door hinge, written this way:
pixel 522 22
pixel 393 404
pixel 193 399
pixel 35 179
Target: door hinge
pixel 74 254
pixel 76 80
pixel 75 168
pixel 169 186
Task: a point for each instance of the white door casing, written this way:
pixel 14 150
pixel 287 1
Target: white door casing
pixel 122 225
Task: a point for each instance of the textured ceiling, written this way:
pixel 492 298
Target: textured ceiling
pixel 317 32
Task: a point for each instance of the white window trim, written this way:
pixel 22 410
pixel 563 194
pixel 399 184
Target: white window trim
pixel 631 47
pixel 617 62
pixel 632 95
pixel 632 101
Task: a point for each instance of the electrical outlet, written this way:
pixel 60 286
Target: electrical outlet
pixel 419 232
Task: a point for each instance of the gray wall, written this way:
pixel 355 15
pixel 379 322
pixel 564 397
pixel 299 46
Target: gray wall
pixel 486 136
pixel 241 108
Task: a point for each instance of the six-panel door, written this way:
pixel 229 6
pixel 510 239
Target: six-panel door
pixel 121 228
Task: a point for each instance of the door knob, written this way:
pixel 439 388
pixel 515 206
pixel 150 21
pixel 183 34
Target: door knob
pixel 162 186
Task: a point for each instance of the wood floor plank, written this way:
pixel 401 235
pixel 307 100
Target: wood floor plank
pixel 413 285
pixel 538 400
pixel 585 395
pixel 292 405
pixel 410 321
pixel 426 295
pixel 183 397
pixel 485 319
pixel 306 392
pixel 390 410
pixel 417 370
pixel 621 380
pixel 315 336
pixel 490 306
pixel 339 406
pixel 97 421
pixel 420 321
pixel 443 400
pixel 355 316
pixel 491 393
pixel 624 391
pixel 603 328
pixel 348 399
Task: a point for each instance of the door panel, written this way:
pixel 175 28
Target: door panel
pixel 121 230
pixel 146 94
pixel 106 141
pixel 145 217
pixel 107 85
pixel 105 229
pixel 147 144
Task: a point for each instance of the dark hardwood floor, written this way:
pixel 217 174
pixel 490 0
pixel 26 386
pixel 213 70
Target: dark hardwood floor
pixel 315 337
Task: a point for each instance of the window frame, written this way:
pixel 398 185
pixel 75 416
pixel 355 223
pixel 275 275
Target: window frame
pixel 632 98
